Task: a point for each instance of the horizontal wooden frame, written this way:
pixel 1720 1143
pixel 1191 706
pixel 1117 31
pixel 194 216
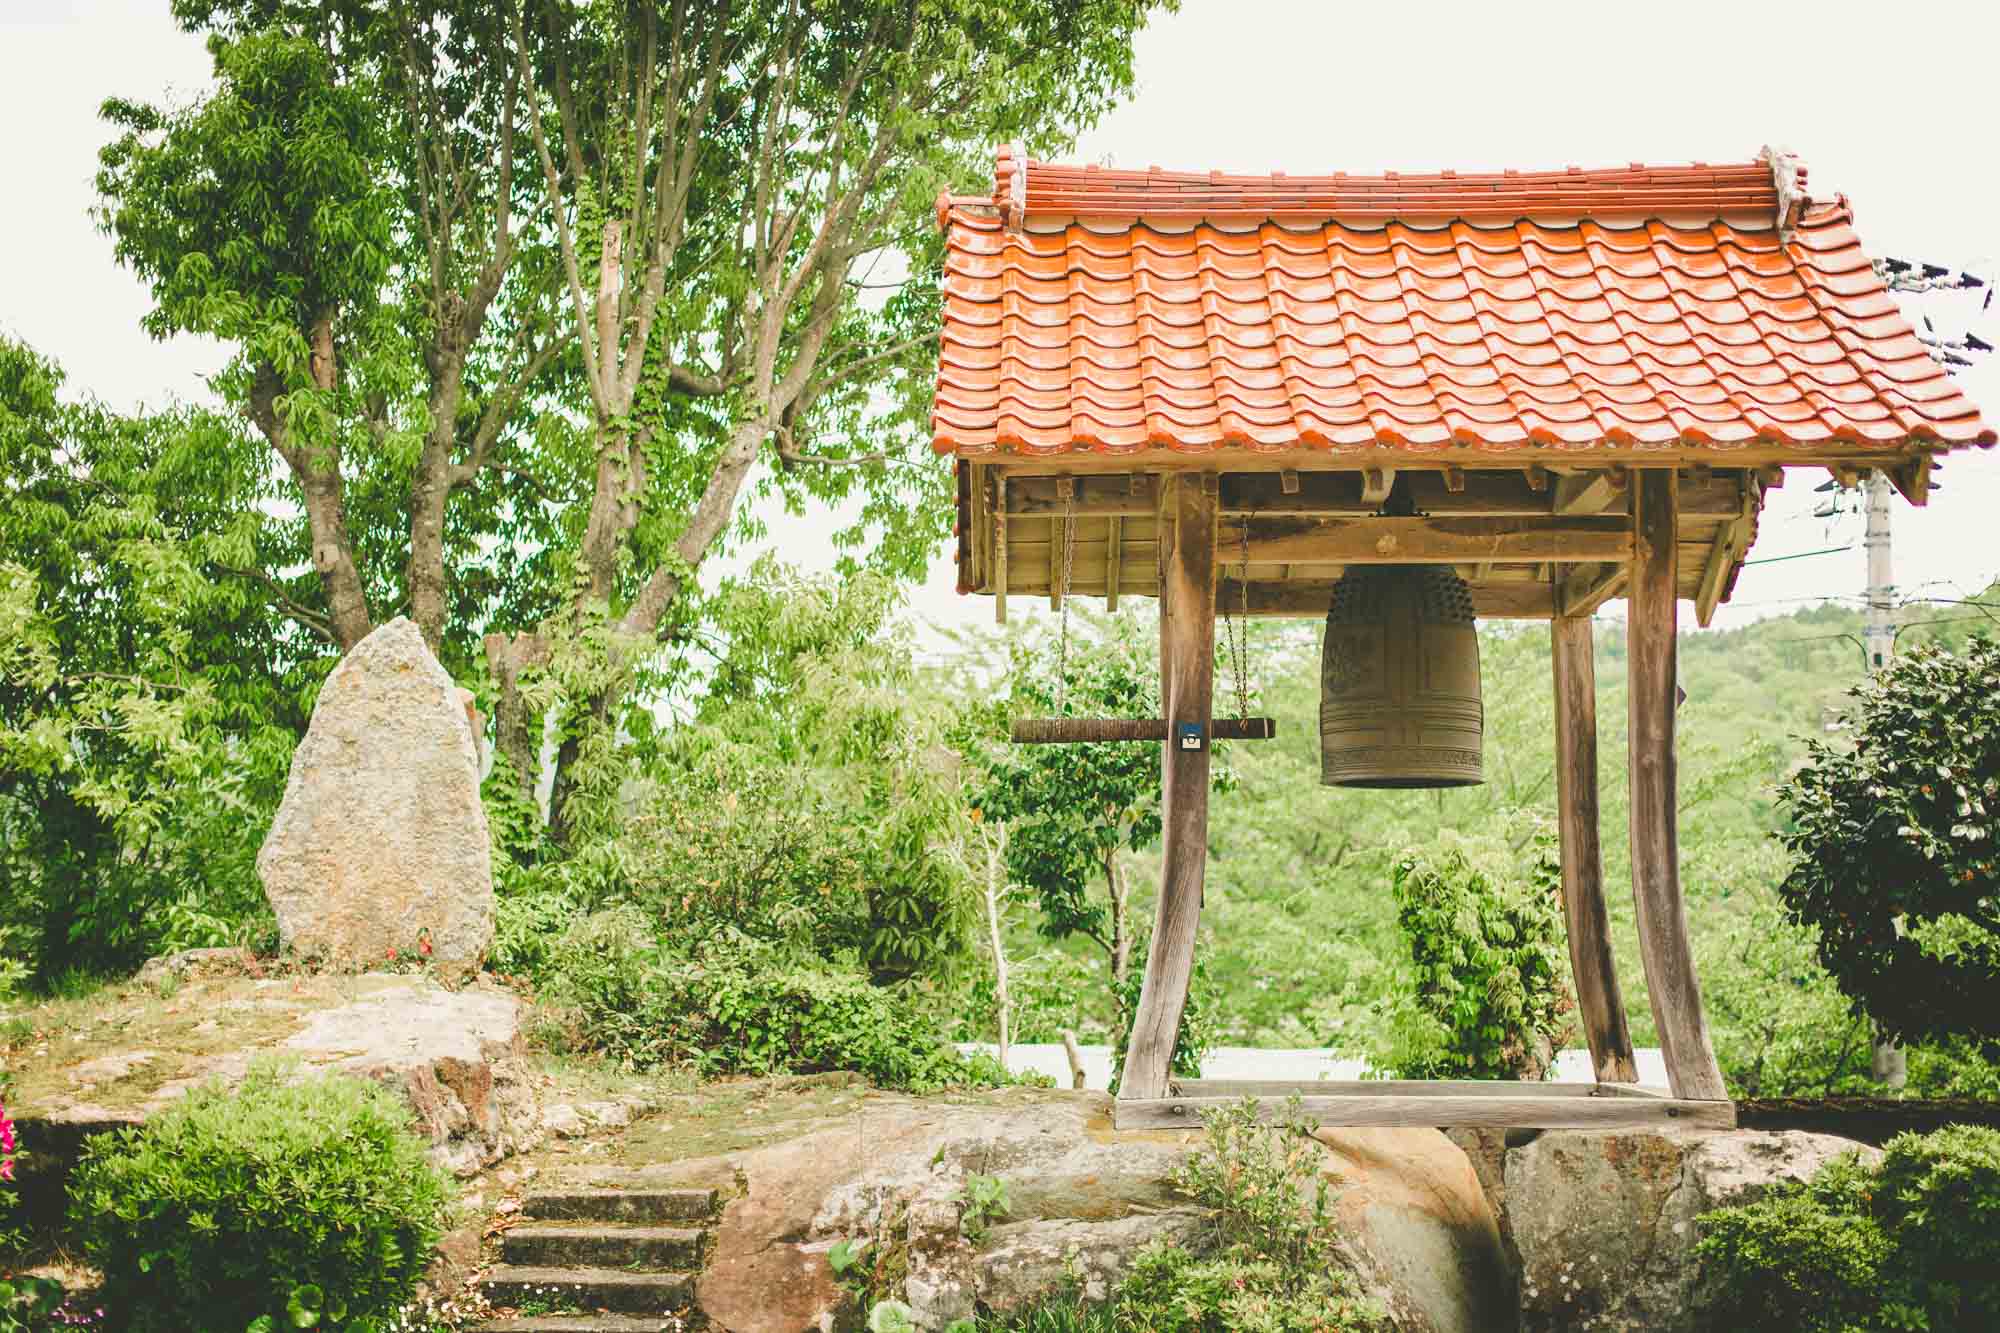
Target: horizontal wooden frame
pixel 1444 541
pixel 1436 1106
pixel 1097 462
pixel 1491 494
pixel 1239 1088
pixel 1304 598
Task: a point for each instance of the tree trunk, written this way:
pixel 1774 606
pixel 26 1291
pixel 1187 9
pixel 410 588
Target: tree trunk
pixel 509 657
pixel 333 554
pixel 1121 916
pixel 995 878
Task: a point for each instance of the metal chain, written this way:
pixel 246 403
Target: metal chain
pixel 1238 631
pixel 1068 565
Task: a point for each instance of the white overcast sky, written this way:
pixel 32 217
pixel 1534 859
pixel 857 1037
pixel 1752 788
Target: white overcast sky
pixel 1892 104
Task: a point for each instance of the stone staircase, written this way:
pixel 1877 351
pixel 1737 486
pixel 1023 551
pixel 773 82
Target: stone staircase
pixel 624 1260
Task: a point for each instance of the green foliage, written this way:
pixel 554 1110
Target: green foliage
pixel 734 1005
pixel 1490 998
pixel 277 1199
pixel 1896 844
pixel 148 704
pixel 38 1305
pixel 1938 1196
pixel 1909 1244
pixel 983 1200
pixel 1071 808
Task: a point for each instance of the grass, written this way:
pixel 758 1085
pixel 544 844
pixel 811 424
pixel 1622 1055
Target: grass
pixel 53 1046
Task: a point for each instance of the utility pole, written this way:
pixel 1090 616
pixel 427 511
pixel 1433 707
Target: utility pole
pixel 1891 1063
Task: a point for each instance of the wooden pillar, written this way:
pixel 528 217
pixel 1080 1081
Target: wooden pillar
pixel 1656 875
pixel 1590 959
pixel 1187 685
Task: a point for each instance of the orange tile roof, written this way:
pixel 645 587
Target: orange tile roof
pixel 1116 311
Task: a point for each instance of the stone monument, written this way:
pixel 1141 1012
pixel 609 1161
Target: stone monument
pixel 380 846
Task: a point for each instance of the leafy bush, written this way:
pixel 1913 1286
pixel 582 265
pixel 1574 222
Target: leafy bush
pixel 1910 1244
pixel 1896 845
pixel 734 1005
pixel 1491 987
pixel 1938 1195
pixel 279 1200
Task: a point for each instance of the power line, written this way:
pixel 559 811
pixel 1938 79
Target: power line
pixel 1801 555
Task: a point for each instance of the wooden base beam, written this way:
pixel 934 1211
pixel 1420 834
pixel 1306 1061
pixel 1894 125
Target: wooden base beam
pixel 1457 1105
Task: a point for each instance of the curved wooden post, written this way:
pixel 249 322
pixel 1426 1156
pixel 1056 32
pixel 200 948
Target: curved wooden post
pixel 1187 683
pixel 1656 877
pixel 1590 958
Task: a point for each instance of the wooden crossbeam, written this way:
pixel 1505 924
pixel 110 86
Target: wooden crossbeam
pixel 1311 492
pixel 1300 598
pixel 1444 541
pixel 1584 589
pixel 1093 730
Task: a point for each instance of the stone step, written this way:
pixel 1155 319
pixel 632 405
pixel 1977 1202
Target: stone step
pixel 583 1323
pixel 601 1246
pixel 589 1289
pixel 638 1204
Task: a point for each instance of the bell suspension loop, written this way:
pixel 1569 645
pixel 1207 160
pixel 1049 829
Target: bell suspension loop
pixel 1236 630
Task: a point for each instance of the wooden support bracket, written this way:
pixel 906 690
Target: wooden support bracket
pixel 1376 483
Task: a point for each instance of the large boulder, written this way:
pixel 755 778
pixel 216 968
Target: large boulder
pixel 381 845
pixel 1083 1199
pixel 1605 1221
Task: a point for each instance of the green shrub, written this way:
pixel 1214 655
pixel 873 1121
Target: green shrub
pixel 275 1200
pixel 1265 1261
pixel 735 1005
pixel 1939 1196
pixel 1909 1244
pixel 1491 988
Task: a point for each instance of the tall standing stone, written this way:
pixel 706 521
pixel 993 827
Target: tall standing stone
pixel 381 842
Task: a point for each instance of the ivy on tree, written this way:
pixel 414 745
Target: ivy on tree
pixel 1893 840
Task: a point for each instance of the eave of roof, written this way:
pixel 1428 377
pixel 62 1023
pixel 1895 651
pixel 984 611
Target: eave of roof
pixel 1706 306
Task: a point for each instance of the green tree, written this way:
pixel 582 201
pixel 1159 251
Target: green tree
pixel 743 195
pixel 1073 809
pixel 1893 840
pixel 341 211
pixel 149 699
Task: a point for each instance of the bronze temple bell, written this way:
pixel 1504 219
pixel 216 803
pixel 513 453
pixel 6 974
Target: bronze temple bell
pixel 1399 701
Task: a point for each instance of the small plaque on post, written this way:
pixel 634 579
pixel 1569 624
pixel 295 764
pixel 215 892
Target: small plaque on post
pixel 1190 735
